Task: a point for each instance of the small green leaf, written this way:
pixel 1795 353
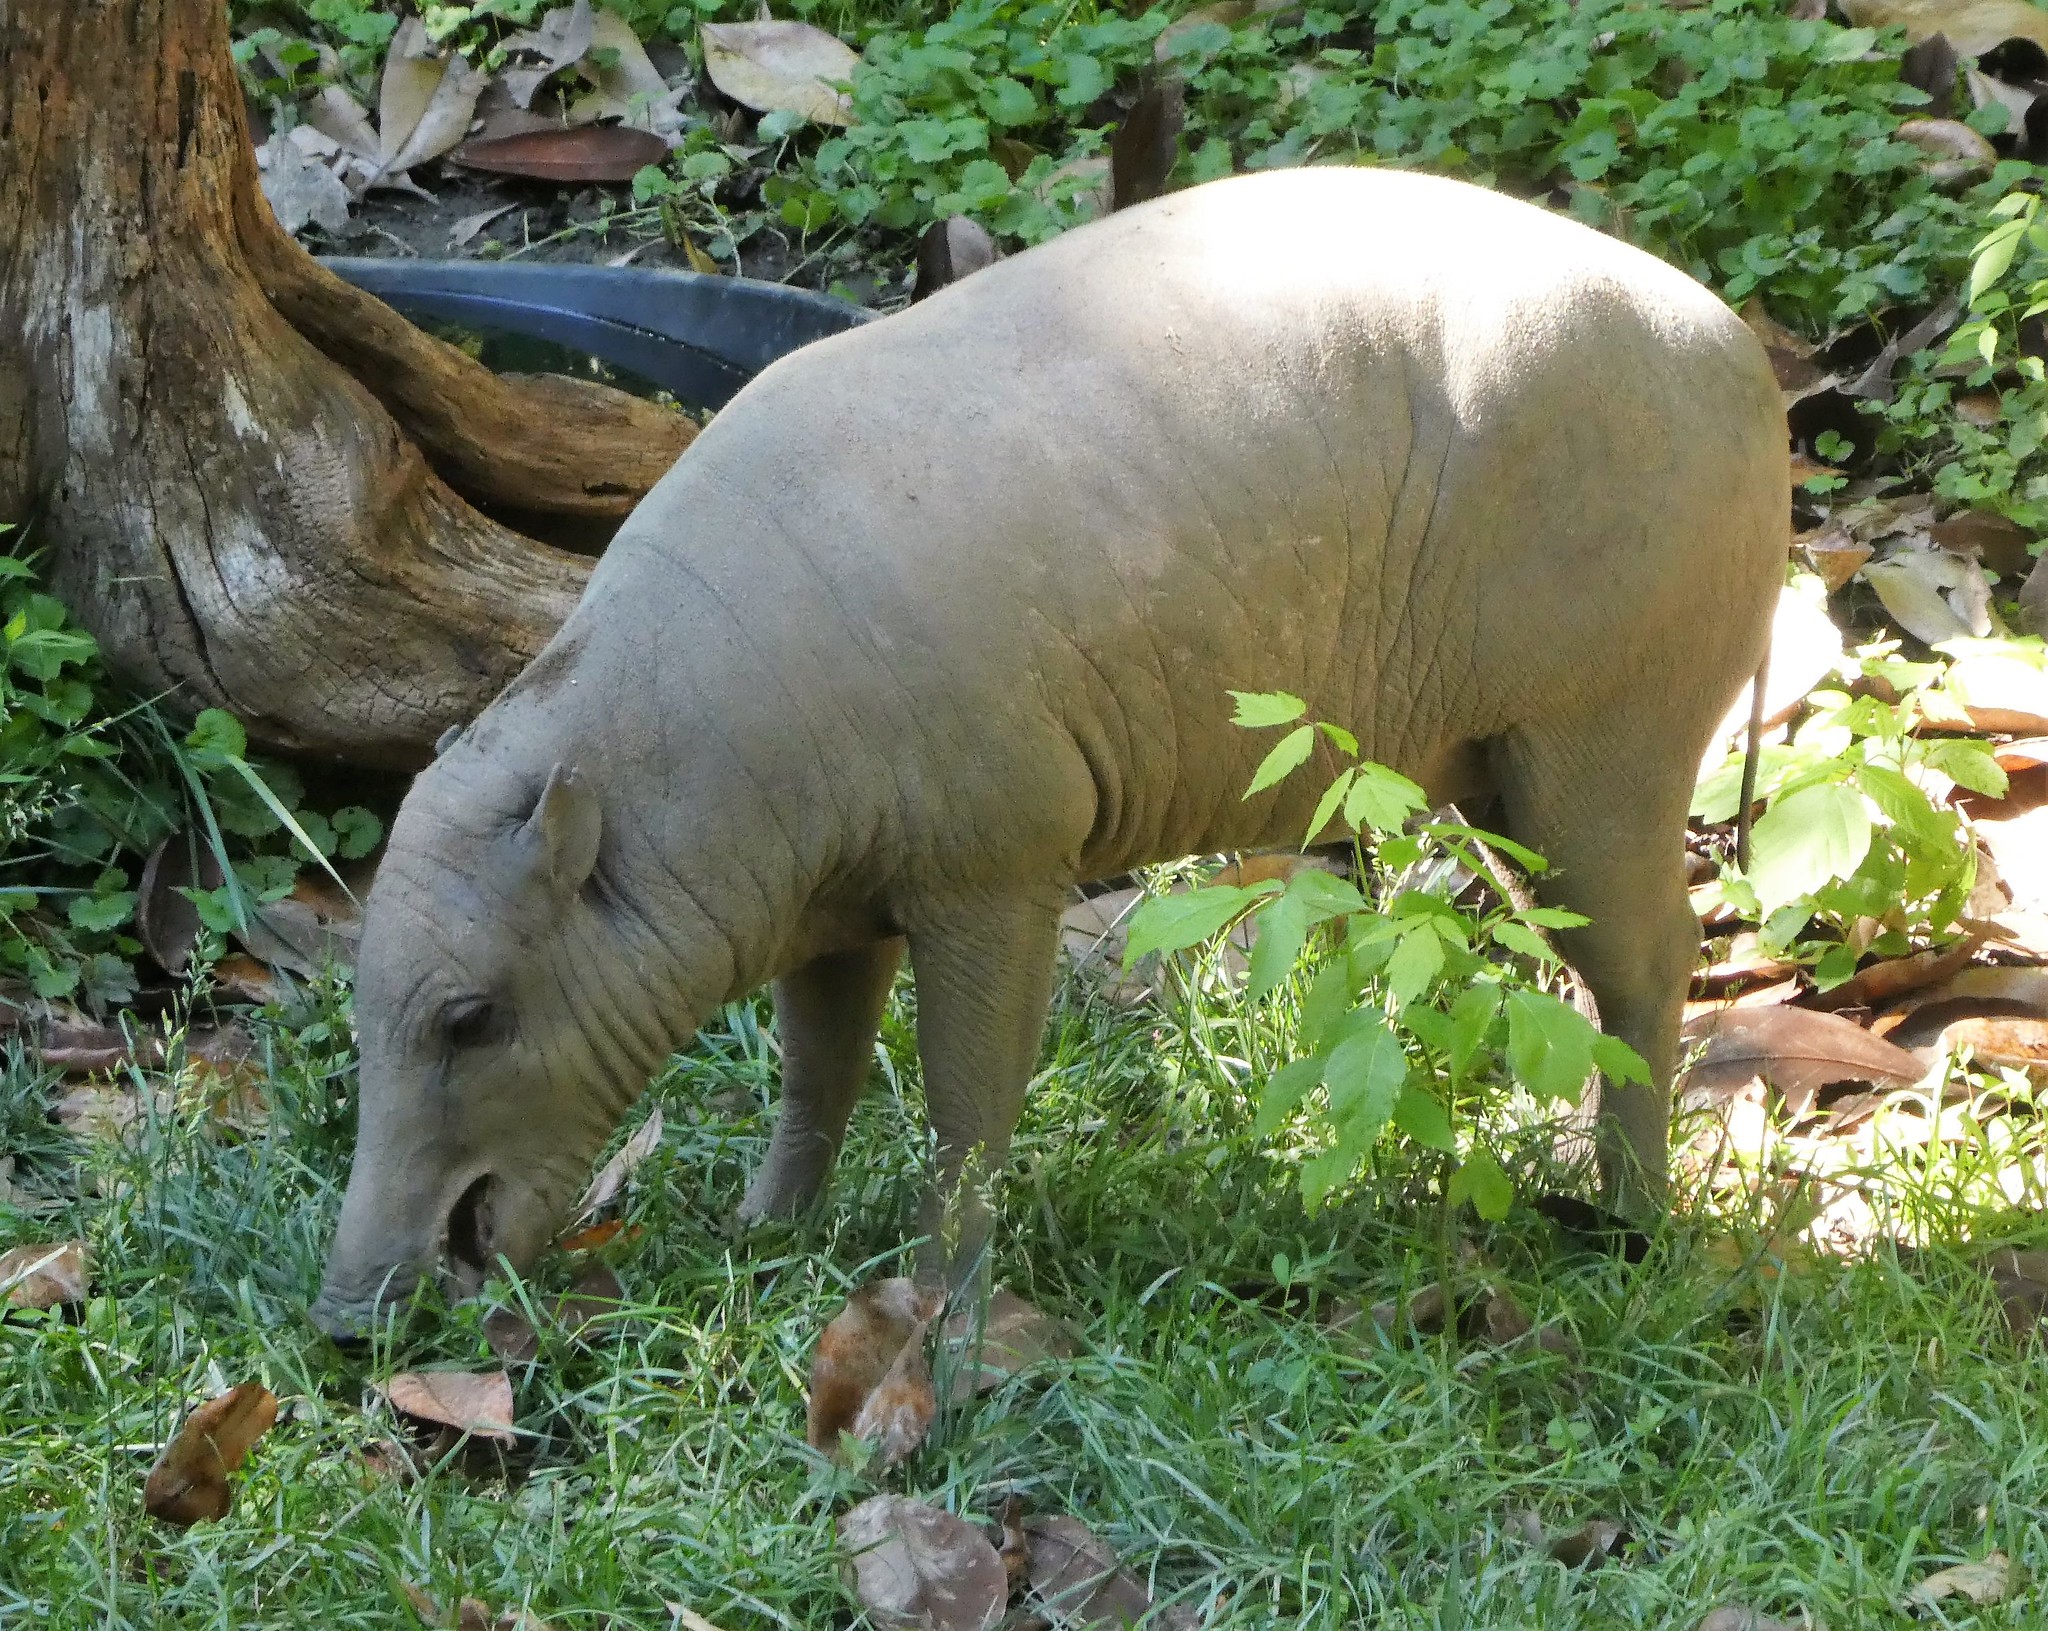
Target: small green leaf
pixel 1326 807
pixel 1364 1074
pixel 356 831
pixel 1479 1179
pixel 1553 917
pixel 1418 959
pixel 1170 922
pixel 1422 1116
pixel 1325 895
pixel 1288 755
pixel 1328 1001
pixel 1471 1018
pixel 1282 931
pixel 1806 839
pixel 1550 1045
pixel 1520 937
pixel 1322 1173
pixel 1382 800
pixel 1618 1061
pixel 1258 708
pixel 218 734
pixel 1339 735
pixel 1969 764
pixel 101 913
pixel 1285 1089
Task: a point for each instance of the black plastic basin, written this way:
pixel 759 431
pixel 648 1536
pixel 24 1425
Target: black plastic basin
pixel 696 336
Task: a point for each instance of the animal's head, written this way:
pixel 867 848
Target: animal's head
pixel 504 1023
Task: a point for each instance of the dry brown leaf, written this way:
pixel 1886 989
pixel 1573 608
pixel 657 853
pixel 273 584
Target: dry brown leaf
pixel 1730 1618
pixel 561 37
pixel 166 922
pixel 916 1567
pixel 337 115
pixel 1746 963
pixel 858 1349
pixel 897 1414
pixel 1954 151
pixel 2005 1043
pixel 1015 1550
pixel 1985 535
pixel 46 1275
pixel 477 1402
pixel 605 1187
pixel 422 1601
pixel 472 1614
pixel 574 153
pixel 1990 1581
pixel 1079 1579
pixel 780 66
pixel 1587 1548
pixel 101 1110
pixel 1834 553
pixel 1424 1312
pixel 1796 1050
pixel 2020 1278
pixel 628 85
pixel 1887 982
pixel 190 1479
pixel 1972 26
pixel 424 103
pixel 2000 691
pixel 1012 1336
pixel 2025 988
pixel 247 980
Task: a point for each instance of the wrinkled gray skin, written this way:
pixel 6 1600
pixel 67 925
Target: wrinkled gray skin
pixel 938 617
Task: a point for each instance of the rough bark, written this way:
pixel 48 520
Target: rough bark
pixel 201 419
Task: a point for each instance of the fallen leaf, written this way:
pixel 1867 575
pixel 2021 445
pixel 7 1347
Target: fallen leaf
pixel 1013 1336
pixel 1971 26
pixel 596 1235
pixel 337 115
pixel 1743 1619
pixel 511 1336
pixel 1146 145
pixel 466 229
pixel 1932 594
pixel 1079 1579
pixel 386 1462
pixel 857 1350
pixel 1954 151
pixel 1424 1312
pixel 1986 536
pixel 423 1602
pixel 917 1567
pixel 779 66
pixel 1835 554
pixel 316 927
pixel 605 1187
pixel 898 1412
pixel 426 102
pixel 1589 1547
pixel 478 1402
pixel 2034 599
pixel 2019 849
pixel 1896 977
pixel 190 1479
pixel 628 85
pixel 106 1111
pixel 45 1275
pixel 2025 988
pixel 16 1197
pixel 1990 1581
pixel 560 38
pixel 949 251
pixel 576 153
pixel 1015 1550
pixel 472 1614
pixel 2000 691
pixel 247 980
pixel 166 922
pixel 1796 1050
pixel 2015 1043
pixel 301 192
pixel 1745 963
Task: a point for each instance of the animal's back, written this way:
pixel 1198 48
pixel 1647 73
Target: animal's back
pixel 1424 455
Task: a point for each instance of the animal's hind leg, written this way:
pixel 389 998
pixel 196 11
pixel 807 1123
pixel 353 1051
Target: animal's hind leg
pixel 827 1014
pixel 1605 801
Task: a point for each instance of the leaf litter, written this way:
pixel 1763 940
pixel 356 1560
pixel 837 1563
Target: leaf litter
pixel 189 1482
pixel 46 1274
pixel 914 1566
pixel 474 1402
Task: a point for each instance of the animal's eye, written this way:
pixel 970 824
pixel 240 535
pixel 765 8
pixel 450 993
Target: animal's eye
pixel 469 1021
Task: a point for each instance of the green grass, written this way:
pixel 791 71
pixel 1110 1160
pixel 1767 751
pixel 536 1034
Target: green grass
pixel 1818 1440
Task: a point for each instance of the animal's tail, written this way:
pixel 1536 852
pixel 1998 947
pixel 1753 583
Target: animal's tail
pixel 1752 750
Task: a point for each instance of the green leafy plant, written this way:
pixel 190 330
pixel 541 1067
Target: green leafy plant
pixel 1850 836
pixel 1405 1012
pixel 91 782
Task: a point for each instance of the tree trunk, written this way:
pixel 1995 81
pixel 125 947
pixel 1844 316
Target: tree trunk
pixel 252 482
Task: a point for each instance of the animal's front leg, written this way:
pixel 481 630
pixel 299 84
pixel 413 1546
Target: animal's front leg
pixel 827 1014
pixel 983 968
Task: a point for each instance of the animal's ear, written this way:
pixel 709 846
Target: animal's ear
pixel 563 831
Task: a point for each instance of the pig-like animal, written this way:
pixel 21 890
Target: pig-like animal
pixel 939 616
